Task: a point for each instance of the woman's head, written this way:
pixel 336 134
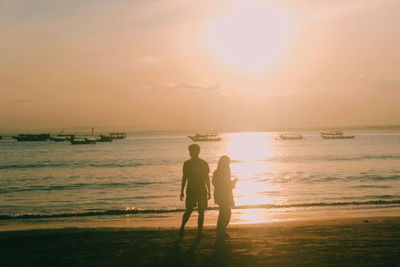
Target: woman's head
pixel 223 162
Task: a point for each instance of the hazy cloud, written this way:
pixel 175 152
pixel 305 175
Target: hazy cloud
pixel 379 83
pixel 21 100
pixel 11 95
pixel 196 86
pixel 149 60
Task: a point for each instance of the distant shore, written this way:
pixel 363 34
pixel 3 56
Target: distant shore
pixel 133 130
pixel 367 241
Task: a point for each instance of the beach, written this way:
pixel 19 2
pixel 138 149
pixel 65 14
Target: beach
pixel 307 203
pixel 366 241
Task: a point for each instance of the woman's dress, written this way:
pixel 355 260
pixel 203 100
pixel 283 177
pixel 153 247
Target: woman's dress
pixel 223 186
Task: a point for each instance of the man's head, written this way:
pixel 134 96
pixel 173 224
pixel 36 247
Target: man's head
pixel 194 150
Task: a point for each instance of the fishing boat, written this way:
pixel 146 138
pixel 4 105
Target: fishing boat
pixel 212 134
pixel 204 138
pixel 82 141
pixel 336 135
pixel 333 132
pixel 118 135
pixel 104 138
pixel 61 137
pixel 31 137
pixel 290 136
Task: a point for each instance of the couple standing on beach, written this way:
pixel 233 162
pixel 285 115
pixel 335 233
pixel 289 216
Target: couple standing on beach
pixel 198 190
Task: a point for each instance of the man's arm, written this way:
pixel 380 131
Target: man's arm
pixel 208 187
pixel 184 179
pixel 208 181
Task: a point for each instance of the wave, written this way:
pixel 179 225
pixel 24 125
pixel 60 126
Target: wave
pixel 303 158
pixel 70 165
pixel 76 186
pixel 298 178
pixel 129 211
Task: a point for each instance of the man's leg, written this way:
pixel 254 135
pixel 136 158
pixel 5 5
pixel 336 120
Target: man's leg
pixel 185 219
pixel 189 209
pixel 201 208
pixel 200 221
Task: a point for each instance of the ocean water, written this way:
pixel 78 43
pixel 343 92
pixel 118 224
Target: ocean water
pixel 142 173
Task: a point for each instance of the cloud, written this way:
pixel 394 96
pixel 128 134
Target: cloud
pixel 12 95
pixel 20 100
pixel 379 83
pixel 196 86
pixel 149 60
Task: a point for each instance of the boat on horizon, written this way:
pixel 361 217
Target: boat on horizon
pixel 104 138
pixel 31 137
pixel 291 136
pixel 204 137
pixel 61 137
pixel 118 135
pixel 82 141
pixel 336 134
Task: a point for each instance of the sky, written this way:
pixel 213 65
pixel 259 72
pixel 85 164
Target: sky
pixel 183 64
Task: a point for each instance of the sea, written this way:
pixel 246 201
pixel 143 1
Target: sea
pixel 140 176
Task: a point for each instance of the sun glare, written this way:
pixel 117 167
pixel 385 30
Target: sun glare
pixel 250 36
pixel 249 152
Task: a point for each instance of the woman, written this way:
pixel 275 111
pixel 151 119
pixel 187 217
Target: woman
pixel 223 196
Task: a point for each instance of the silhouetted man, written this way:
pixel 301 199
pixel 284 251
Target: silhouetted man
pixel 195 173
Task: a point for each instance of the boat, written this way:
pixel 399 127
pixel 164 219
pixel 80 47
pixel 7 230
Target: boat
pixel 61 137
pixel 290 136
pixel 333 132
pixel 118 135
pixel 104 138
pixel 31 137
pixel 58 139
pixel 336 135
pixel 82 141
pixel 204 138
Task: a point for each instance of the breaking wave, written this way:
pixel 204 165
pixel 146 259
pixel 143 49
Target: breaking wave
pixel 130 211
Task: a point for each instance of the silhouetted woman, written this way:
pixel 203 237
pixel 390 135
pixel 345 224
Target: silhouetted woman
pixel 223 195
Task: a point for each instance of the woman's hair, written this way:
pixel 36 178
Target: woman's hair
pixel 222 170
pixel 223 163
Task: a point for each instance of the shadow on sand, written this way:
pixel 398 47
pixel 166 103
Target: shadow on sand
pixel 220 255
pixel 179 255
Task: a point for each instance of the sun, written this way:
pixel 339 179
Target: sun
pixel 250 36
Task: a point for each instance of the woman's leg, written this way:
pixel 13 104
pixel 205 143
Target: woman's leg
pixel 220 219
pixel 223 218
pixel 227 217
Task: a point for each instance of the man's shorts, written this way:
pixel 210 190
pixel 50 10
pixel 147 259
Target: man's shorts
pixel 199 200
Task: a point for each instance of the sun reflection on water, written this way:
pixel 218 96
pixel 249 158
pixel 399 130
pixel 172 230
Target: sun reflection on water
pixel 250 153
pixel 251 146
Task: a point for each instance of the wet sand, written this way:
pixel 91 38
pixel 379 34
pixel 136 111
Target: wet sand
pixel 369 241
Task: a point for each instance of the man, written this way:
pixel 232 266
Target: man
pixel 195 174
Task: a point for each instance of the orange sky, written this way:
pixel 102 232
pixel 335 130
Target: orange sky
pixel 196 64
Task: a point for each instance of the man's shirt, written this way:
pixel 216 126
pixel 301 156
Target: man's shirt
pixel 196 171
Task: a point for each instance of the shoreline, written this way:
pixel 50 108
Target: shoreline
pixel 372 241
pixel 172 220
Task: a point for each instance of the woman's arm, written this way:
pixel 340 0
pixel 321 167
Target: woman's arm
pixel 233 182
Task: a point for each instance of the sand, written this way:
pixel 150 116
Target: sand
pixel 369 241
